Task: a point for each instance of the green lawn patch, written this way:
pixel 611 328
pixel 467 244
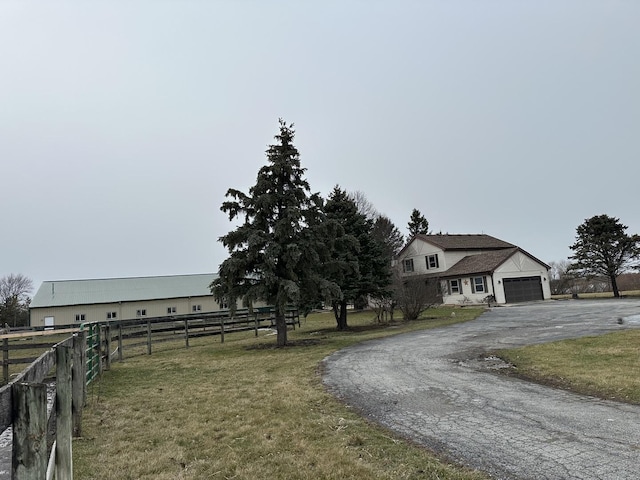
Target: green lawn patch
pixel 245 410
pixel 606 366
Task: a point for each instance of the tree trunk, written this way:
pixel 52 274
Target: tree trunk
pixel 342 315
pixel 614 285
pixel 281 327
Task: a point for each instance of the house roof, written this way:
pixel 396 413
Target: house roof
pixel 466 242
pixel 480 263
pixel 112 290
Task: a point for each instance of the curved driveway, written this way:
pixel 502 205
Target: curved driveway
pixel 435 388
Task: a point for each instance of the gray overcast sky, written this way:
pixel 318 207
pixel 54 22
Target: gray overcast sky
pixel 122 124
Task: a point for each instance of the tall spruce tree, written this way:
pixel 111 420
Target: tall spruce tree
pixel 272 253
pixel 603 248
pixel 418 224
pixel 385 232
pixel 357 262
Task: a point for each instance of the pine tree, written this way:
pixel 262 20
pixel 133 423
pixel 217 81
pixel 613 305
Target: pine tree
pixel 418 225
pixel 603 248
pixel 357 262
pixel 271 254
pixel 385 232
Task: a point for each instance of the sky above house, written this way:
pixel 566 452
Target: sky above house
pixel 123 124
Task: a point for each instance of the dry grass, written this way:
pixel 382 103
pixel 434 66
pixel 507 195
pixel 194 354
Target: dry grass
pixel 244 410
pixel 599 295
pixel 607 366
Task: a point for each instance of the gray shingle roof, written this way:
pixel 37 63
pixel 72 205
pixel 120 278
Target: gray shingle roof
pixel 480 263
pixel 466 242
pixel 110 290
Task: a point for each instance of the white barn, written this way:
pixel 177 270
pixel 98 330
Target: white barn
pixel 474 268
pixel 66 302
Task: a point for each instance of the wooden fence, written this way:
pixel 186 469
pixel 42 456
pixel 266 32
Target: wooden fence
pixel 114 340
pixel 43 427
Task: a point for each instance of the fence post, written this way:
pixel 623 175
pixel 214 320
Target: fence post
pixel 64 459
pixel 120 354
pixel 222 330
pixel 5 360
pixel 149 337
pixel 29 454
pixel 186 332
pixel 255 320
pixel 98 345
pixel 107 333
pixel 79 384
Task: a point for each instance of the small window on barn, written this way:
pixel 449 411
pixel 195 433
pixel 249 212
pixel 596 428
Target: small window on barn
pixel 141 313
pixel 80 317
pixel 112 315
pixel 407 265
pixel 196 308
pixel 432 261
pixel 171 310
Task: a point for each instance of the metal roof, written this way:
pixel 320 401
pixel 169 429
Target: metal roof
pixel 112 290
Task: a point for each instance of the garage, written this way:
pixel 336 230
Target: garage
pixel 522 289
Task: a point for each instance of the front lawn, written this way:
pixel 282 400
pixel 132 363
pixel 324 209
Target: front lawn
pixel 606 366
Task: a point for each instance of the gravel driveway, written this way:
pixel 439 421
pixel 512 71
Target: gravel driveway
pixel 436 388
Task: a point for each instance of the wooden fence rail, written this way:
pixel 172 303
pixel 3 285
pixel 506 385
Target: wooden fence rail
pixel 24 405
pixel 79 360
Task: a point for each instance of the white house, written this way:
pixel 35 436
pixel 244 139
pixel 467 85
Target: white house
pixel 472 268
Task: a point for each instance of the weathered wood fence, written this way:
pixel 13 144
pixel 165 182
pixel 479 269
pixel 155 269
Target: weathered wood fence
pixel 45 416
pixel 114 340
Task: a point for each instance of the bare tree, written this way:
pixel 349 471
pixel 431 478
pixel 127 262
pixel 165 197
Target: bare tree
pixel 365 207
pixel 14 299
pixel 561 279
pixel 15 286
pixel 413 295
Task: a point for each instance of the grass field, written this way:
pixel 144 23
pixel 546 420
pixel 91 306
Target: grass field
pixel 247 410
pixel 606 366
pixel 599 295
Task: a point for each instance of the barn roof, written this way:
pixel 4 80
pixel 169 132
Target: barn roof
pixel 112 290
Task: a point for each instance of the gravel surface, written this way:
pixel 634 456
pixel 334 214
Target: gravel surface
pixel 437 388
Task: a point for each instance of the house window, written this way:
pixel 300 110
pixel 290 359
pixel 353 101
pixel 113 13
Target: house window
pixel 407 265
pixel 196 308
pixel 478 285
pixel 432 261
pixel 455 286
pixel 80 317
pixel 112 315
pixel 141 313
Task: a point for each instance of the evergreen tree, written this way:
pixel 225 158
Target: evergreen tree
pixel 603 248
pixel 385 232
pixel 357 263
pixel 418 225
pixel 272 254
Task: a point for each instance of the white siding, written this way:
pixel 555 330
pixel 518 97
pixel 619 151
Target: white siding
pixel 467 296
pixel 520 265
